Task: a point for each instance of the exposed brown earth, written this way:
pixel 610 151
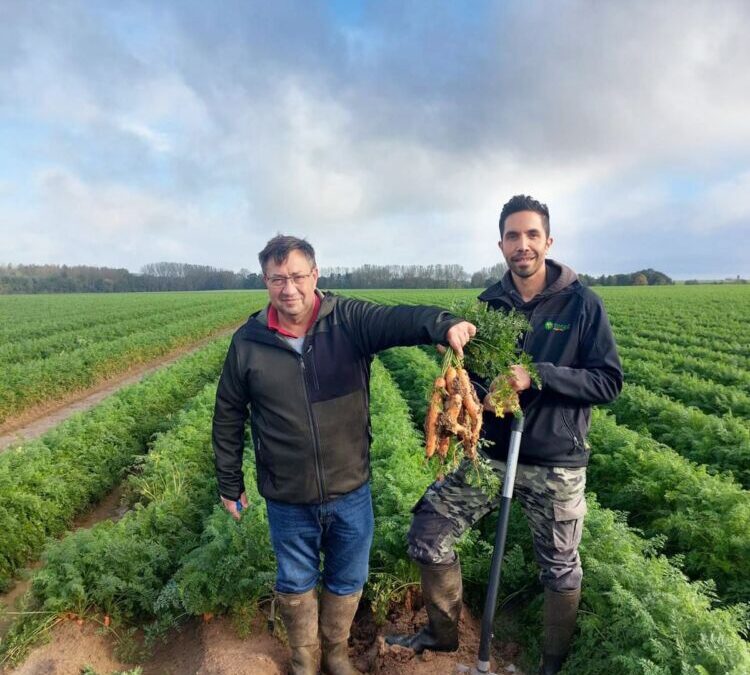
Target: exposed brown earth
pixel 37 420
pixel 213 648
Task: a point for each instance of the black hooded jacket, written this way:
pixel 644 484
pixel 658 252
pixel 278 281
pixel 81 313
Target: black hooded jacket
pixel 309 412
pixel 574 351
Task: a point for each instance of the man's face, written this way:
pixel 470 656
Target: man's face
pixel 525 243
pixel 291 286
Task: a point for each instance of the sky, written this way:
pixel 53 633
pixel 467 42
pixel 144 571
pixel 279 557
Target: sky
pixel 386 132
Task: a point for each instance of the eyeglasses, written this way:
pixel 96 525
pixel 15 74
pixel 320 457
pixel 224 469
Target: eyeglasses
pixel 280 282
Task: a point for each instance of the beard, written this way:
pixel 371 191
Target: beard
pixel 528 270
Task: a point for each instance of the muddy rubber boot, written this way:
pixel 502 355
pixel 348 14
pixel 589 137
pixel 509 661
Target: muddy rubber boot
pixel 442 591
pixel 299 612
pixel 560 612
pixel 336 616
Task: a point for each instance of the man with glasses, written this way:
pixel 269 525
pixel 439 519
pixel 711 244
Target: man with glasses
pixel 299 369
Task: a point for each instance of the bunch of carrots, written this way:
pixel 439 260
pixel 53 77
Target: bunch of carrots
pixel 454 411
pixel 454 415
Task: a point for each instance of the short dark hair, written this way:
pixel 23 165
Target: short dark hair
pixel 281 246
pixel 524 203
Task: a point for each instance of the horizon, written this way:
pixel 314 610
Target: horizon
pixel 327 270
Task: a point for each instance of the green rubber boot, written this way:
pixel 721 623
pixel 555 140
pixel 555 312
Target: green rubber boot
pixel 299 613
pixel 442 591
pixel 336 616
pixel 560 612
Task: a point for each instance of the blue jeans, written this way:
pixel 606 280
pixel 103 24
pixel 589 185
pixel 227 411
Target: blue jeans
pixel 341 529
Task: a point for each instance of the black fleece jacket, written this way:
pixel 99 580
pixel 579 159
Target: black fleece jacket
pixel 309 412
pixel 572 346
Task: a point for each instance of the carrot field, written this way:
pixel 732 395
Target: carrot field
pixel 667 538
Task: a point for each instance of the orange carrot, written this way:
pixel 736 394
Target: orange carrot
pixel 431 423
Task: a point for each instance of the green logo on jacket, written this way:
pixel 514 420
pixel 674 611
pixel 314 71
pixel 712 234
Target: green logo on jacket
pixel 556 327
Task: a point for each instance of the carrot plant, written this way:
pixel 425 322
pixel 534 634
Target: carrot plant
pixel 639 612
pixel 704 519
pixel 121 568
pixel 45 483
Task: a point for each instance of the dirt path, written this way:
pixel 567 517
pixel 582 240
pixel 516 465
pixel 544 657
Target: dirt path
pixel 36 421
pixel 214 648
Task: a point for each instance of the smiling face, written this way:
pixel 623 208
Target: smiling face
pixel 525 244
pixel 291 287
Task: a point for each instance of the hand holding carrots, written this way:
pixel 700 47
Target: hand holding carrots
pixel 503 395
pixel 520 380
pixel 459 335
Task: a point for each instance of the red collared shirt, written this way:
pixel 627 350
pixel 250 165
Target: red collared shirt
pixel 273 320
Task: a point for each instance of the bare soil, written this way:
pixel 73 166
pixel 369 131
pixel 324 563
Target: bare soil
pixel 35 421
pixel 213 648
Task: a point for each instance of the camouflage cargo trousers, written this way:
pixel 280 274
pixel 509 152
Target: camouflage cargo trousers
pixel 552 499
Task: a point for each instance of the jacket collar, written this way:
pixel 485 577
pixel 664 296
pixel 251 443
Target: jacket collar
pixel 272 319
pixel 257 326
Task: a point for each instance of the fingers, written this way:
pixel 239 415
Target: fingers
pixel 459 335
pixel 231 506
pixel 521 380
pixel 487 403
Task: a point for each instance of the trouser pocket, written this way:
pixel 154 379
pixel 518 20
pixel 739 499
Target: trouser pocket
pixel 568 526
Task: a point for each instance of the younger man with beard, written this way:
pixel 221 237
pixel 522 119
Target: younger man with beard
pixel 574 352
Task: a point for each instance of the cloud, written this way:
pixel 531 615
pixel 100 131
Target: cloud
pixel 389 134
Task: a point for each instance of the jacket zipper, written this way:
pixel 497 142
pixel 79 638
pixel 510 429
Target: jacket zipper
pixel 314 369
pixel 576 442
pixel 313 429
pixel 523 349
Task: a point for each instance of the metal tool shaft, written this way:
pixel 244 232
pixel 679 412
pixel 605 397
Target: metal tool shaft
pixel 488 617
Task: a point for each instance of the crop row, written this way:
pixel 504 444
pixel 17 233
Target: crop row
pixel 29 317
pixel 724 326
pixel 704 518
pixel 45 483
pixel 691 390
pixel 64 342
pixel 726 363
pixel 32 382
pixel 736 348
pixel 639 614
pixel 122 567
pixel 674 360
pixel 721 443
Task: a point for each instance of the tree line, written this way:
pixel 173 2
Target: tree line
pixel 170 276
pixel 647 277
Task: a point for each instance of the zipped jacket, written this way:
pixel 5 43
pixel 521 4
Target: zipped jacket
pixel 574 351
pixel 309 412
